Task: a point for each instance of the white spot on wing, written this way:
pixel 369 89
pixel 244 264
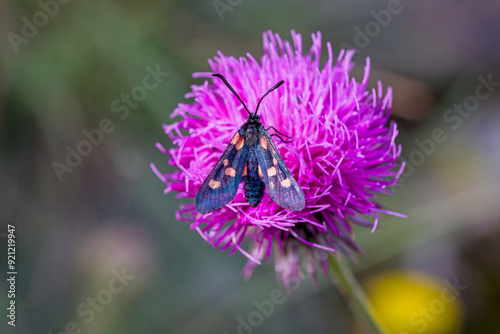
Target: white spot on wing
pixel 214 184
pixel 271 171
pixel 240 143
pixel 286 183
pixel 230 171
pixel 235 138
pixel 263 143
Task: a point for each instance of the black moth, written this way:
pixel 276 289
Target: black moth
pixel 251 157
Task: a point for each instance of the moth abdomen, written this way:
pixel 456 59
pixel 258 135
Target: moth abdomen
pixel 254 191
pixel 254 187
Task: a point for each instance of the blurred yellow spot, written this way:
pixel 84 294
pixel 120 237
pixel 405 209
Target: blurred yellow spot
pixel 410 302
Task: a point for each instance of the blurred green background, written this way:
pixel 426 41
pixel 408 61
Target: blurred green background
pixel 108 217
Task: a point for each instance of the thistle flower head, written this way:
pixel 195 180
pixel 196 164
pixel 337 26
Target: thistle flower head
pixel 343 153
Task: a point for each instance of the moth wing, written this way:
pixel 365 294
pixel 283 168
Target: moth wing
pixel 280 183
pixel 221 185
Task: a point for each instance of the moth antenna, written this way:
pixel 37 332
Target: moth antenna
pixel 220 76
pixel 269 91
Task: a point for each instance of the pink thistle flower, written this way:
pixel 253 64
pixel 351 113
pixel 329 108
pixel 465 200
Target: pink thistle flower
pixel 343 154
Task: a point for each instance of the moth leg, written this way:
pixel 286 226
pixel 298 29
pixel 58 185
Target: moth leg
pixel 279 134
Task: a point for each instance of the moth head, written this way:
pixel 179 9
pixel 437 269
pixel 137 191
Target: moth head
pixel 253 118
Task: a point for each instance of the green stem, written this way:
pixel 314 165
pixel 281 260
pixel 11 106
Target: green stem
pixel 350 289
